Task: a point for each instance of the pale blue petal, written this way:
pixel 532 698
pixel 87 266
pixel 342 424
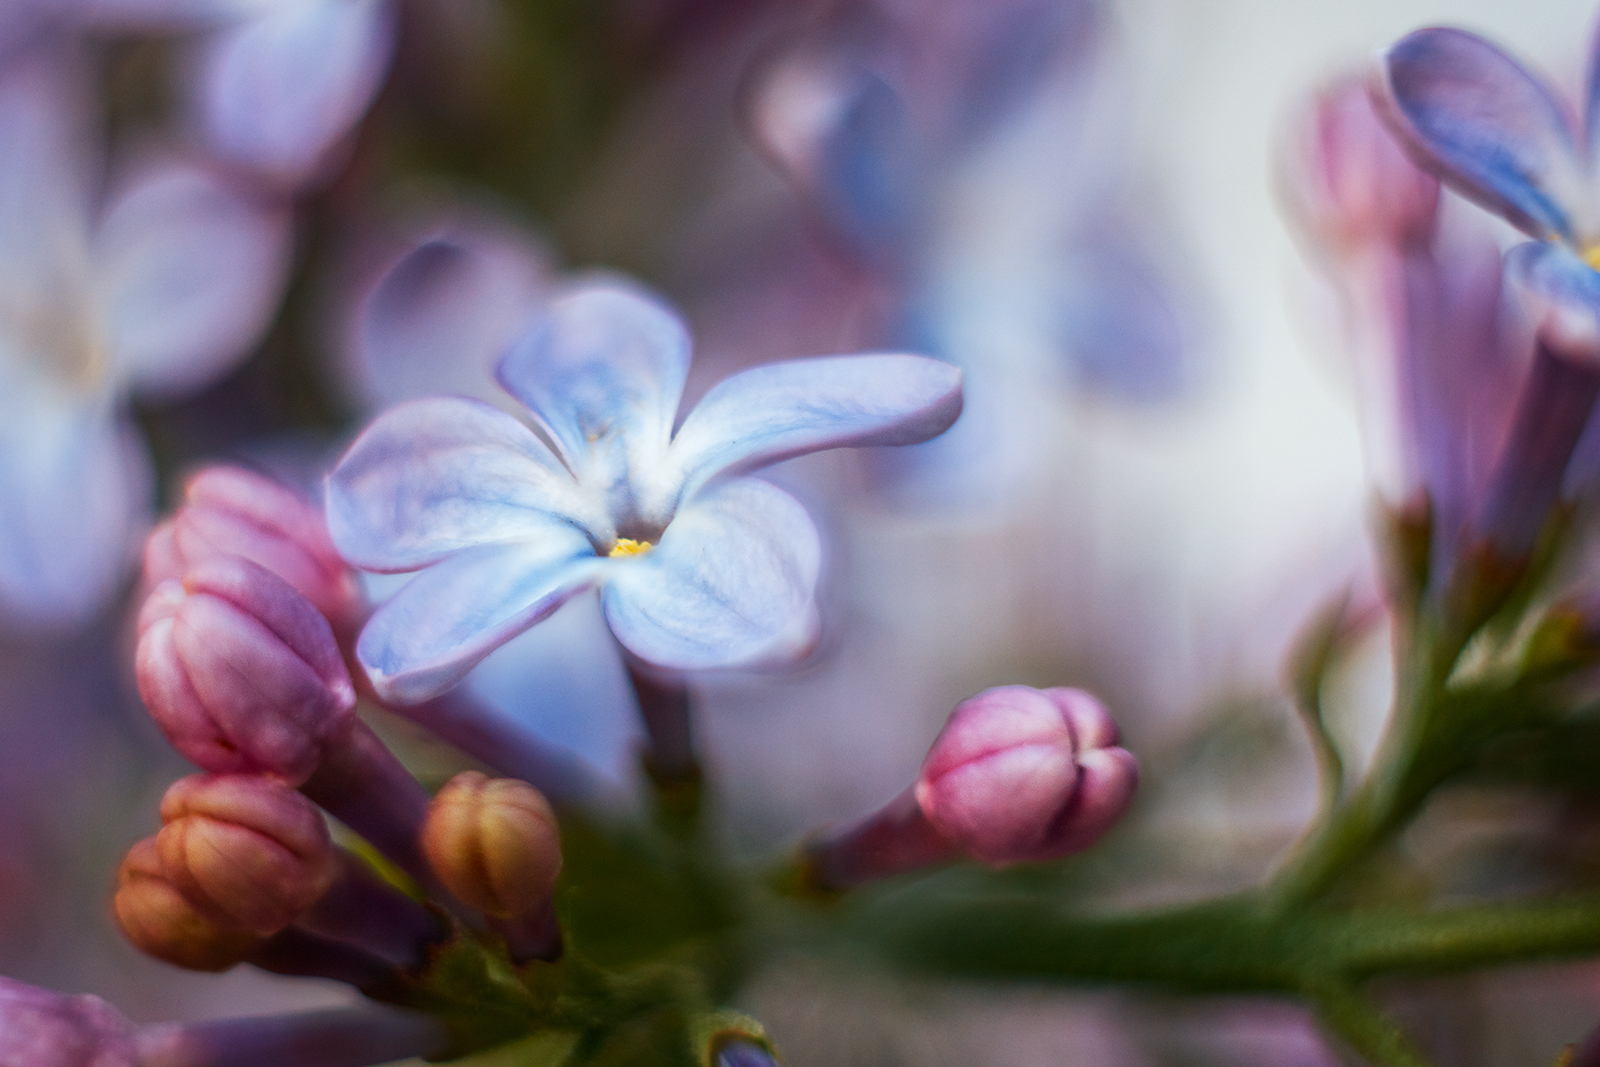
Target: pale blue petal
pixel 189 272
pixel 433 477
pixel 1487 127
pixel 277 92
pixel 46 169
pixel 779 410
pixel 444 313
pixel 76 493
pixel 425 638
pixel 1564 283
pixel 603 371
pixel 731 582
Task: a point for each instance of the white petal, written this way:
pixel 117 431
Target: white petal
pixel 433 477
pixel 190 272
pixel 426 637
pixel 731 582
pixel 603 371
pixel 779 410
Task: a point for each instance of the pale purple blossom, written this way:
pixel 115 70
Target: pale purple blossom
pixel 1496 133
pixel 697 567
pixel 39 1028
pixel 155 290
pixel 274 85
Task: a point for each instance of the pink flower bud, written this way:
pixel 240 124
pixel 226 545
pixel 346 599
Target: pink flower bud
pixel 1024 775
pixel 241 672
pixel 245 849
pixel 39 1028
pixel 229 511
pixel 161 922
pixel 1352 183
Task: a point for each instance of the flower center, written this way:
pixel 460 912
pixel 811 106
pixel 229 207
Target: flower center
pixel 1591 255
pixel 627 546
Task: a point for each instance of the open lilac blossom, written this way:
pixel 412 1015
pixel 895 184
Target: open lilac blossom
pixel 154 292
pixel 1497 134
pixel 698 567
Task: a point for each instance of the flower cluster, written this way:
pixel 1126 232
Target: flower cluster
pixel 446 910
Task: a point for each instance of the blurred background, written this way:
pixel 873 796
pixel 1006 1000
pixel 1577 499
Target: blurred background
pixel 236 229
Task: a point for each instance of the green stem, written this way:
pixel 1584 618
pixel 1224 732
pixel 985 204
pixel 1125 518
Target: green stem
pixel 1419 748
pixel 1348 1013
pixel 1235 945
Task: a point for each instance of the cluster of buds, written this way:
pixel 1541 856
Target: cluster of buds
pixel 1017 775
pixel 242 660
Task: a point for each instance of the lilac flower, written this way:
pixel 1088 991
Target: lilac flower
pixel 277 83
pixel 1436 348
pixel 44 1029
pixel 155 292
pixel 1495 133
pixel 698 567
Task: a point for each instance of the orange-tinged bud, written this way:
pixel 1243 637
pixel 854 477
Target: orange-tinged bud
pixel 245 849
pixel 160 921
pixel 495 843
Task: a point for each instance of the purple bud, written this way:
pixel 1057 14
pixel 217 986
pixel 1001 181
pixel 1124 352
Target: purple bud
pixel 241 672
pixel 39 1028
pixel 1024 775
pixel 1351 182
pixel 229 511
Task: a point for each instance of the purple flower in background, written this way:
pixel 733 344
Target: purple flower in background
pixel 444 310
pixel 277 83
pixel 1497 134
pixel 1439 356
pixel 44 1029
pixel 698 567
pixel 155 291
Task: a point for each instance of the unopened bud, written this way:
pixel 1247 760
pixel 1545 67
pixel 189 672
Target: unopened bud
pixel 230 511
pixel 245 849
pixel 1024 775
pixel 40 1028
pixel 161 921
pixel 1350 180
pixel 241 672
pixel 495 843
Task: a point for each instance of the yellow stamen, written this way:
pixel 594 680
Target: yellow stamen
pixel 1591 255
pixel 627 546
